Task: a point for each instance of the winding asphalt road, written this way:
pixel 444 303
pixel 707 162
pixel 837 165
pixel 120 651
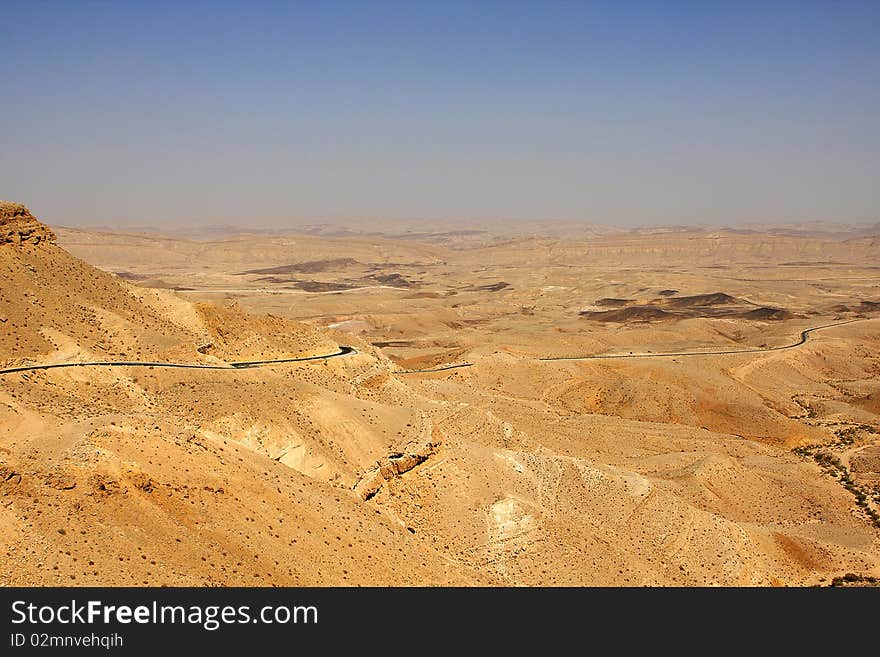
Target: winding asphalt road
pixel 344 350
pixel 804 336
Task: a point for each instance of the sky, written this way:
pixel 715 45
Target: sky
pixel 272 113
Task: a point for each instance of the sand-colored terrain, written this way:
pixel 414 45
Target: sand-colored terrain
pixel 755 467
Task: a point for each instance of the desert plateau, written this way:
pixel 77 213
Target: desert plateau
pixel 496 405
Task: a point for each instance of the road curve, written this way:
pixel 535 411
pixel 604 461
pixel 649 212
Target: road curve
pixel 344 350
pixel 804 336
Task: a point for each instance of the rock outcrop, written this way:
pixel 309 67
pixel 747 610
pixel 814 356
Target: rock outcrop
pixel 18 226
pixel 393 466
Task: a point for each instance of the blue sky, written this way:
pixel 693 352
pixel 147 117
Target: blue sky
pixel 264 113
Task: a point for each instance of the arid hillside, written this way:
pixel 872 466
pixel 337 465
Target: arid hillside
pixel 630 460
pixel 146 475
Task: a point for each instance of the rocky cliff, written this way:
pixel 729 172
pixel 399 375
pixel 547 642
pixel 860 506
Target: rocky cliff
pixel 19 226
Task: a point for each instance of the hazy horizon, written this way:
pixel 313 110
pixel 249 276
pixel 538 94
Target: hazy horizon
pixel 206 229
pixel 623 114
